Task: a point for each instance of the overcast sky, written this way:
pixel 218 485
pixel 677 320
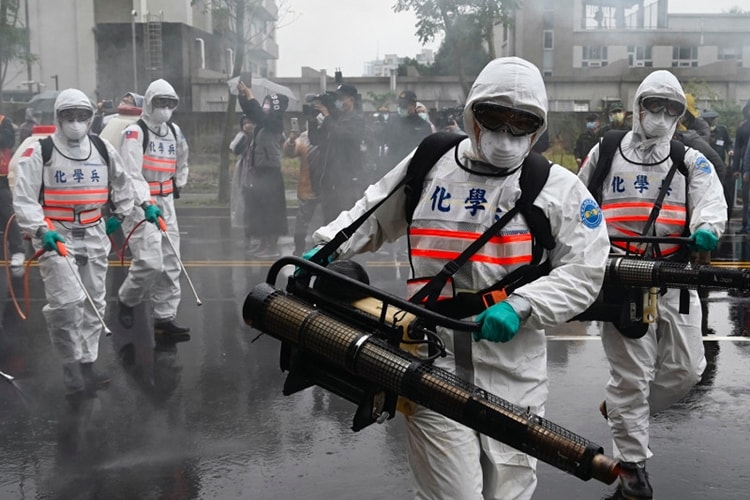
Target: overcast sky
pixel 326 34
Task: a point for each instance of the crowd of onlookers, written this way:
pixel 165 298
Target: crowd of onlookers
pixel 341 151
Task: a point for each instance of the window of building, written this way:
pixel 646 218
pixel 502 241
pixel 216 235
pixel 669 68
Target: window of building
pixel 597 16
pixel 548 17
pixel 594 56
pixel 729 53
pixel 684 57
pixel 549 39
pixel 639 56
pixel 568 106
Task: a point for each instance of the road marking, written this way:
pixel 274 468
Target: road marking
pixel 731 338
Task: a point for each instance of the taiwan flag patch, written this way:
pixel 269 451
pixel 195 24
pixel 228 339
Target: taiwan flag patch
pixel 131 134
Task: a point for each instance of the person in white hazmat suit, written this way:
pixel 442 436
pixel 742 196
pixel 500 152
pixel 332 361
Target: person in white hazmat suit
pixel 128 112
pixel 504 115
pixel 651 373
pixel 70 192
pixel 162 170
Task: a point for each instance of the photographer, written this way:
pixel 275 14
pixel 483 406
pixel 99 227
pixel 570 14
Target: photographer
pixel 338 131
pixel 406 131
pixel 445 120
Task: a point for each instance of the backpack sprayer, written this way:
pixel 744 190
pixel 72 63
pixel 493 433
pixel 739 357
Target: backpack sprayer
pixel 348 337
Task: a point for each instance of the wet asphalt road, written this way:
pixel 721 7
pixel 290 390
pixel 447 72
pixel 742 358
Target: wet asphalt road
pixel 206 418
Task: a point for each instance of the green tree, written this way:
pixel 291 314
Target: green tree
pixel 13 39
pixel 233 20
pixel 451 18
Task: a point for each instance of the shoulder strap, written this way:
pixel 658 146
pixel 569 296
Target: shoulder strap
pixel 429 151
pixel 47 147
pixel 174 132
pixel 607 147
pixel 100 147
pixel 677 153
pixel 534 176
pixel 144 129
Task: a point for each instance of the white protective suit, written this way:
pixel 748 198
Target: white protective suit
pixel 74 186
pixel 449 460
pixel 154 269
pixel 655 371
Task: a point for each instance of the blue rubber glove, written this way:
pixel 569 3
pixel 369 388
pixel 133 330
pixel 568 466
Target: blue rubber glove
pixel 50 239
pixel 152 213
pixel 704 240
pixel 113 224
pixel 500 323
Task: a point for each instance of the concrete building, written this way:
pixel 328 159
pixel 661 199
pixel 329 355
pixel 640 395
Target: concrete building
pixel 108 47
pixel 593 51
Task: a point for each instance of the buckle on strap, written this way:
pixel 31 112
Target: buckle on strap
pixel 495 296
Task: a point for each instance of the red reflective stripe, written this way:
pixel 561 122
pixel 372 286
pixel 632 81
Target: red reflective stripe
pixel 641 204
pixel 468 235
pixel 152 163
pixel 629 247
pixel 68 214
pixel 444 255
pixel 644 218
pixel 161 188
pixel 66 192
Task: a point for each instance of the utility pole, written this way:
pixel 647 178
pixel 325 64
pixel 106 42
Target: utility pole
pixel 135 58
pixel 28 45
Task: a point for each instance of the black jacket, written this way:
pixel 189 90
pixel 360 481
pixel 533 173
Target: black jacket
pixel 403 134
pixel 339 138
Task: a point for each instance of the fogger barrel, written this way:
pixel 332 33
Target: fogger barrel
pixel 365 355
pixel 663 273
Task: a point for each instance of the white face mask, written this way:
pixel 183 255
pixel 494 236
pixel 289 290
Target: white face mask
pixel 502 150
pixel 657 124
pixel 161 115
pixel 75 131
pixel 340 105
pixel 424 116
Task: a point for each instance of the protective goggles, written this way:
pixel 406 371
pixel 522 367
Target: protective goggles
pixel 164 102
pixel 75 115
pixel 659 104
pixel 496 117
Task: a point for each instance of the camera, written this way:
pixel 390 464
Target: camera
pixel 327 99
pixel 449 116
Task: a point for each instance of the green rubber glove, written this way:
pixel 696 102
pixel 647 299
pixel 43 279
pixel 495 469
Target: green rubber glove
pixel 308 255
pixel 50 239
pixel 152 213
pixel 500 323
pixel 113 224
pixel 704 240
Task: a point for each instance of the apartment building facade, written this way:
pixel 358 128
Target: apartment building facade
pixel 109 47
pixel 594 51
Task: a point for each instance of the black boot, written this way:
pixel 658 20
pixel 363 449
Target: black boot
pixel 94 380
pixel 75 388
pixel 169 330
pixel 125 314
pixel 634 484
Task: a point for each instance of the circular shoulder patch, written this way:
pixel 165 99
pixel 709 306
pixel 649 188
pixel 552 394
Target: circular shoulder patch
pixel 702 164
pixel 591 214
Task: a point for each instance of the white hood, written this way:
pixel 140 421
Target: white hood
pixel 67 99
pixel 157 88
pixel 660 83
pixel 510 81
